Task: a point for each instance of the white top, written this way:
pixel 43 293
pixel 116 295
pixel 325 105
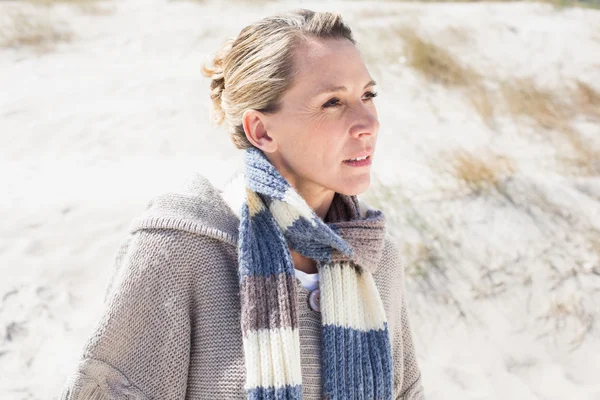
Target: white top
pixel 234 194
pixel 309 281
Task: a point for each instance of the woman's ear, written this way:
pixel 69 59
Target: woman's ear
pixel 254 123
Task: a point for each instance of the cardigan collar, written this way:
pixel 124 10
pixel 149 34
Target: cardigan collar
pixel 199 207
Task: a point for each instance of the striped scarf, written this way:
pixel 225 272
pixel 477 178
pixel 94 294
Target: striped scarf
pixel 356 352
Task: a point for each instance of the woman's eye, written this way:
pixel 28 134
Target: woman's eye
pixel 331 103
pixel 336 102
pixel 371 95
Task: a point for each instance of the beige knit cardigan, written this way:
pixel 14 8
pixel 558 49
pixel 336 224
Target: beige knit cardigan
pixel 170 328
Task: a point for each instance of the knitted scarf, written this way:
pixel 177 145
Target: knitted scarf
pixel 356 352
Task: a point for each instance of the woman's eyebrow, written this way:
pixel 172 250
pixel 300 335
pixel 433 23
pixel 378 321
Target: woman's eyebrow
pixel 329 89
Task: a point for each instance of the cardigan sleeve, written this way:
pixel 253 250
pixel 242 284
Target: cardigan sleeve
pixel 407 378
pixel 410 387
pixel 139 349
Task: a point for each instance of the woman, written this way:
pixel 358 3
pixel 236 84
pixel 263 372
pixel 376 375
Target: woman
pixel 283 286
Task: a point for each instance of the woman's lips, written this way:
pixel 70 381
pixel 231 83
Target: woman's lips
pixel 359 163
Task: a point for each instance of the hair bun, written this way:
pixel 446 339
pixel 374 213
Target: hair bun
pixel 214 69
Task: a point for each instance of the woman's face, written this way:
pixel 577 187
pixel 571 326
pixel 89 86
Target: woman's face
pixel 327 117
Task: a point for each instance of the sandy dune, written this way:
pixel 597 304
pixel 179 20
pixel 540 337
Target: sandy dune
pixel 504 283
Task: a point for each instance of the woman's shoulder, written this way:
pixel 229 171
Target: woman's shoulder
pixel 389 260
pixel 182 236
pixel 196 208
pixel 390 263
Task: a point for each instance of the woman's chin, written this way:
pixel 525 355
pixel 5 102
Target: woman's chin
pixel 355 187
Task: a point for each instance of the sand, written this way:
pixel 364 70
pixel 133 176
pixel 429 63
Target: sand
pixel 503 284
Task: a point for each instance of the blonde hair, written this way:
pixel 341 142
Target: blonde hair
pixel 255 69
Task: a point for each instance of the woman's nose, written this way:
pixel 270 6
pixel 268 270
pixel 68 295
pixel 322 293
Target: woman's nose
pixel 365 121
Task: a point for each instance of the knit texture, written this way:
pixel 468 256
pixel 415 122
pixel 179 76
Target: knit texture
pixel 170 326
pixel 355 343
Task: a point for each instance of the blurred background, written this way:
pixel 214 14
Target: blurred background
pixel 487 165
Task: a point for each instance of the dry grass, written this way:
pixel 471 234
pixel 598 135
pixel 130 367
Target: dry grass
pixel 555 3
pixel 524 98
pixel 550 109
pixel 479 173
pixel 556 111
pixel 434 62
pixel 594 247
pixel 245 2
pixel 420 259
pixel 573 3
pixel 35 32
pixel 480 99
pixel 438 65
pixel 70 2
pixel 585 161
pixel 587 99
pixel 93 7
pixel 570 313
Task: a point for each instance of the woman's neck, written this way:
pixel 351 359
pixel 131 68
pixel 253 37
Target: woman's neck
pixel 304 264
pixel 317 197
pixel 320 204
